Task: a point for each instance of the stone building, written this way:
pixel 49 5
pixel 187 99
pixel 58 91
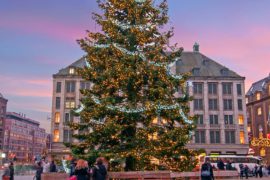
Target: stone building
pixel 23 139
pixel 219 102
pixel 258 110
pixel 3 109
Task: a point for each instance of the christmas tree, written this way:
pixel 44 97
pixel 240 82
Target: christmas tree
pixel 131 114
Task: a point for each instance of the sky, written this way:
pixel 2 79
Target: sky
pixel 38 38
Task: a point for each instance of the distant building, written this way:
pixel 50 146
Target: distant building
pixel 258 109
pixel 3 109
pixel 23 139
pixel 219 102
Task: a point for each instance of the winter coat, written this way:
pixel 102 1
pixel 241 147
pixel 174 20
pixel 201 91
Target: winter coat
pixel 99 172
pixel 81 174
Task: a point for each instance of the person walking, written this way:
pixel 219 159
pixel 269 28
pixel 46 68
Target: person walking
pixel 99 170
pixel 241 167
pixel 39 171
pixel 81 170
pixel 46 167
pixel 6 174
pixel 53 167
pixel 72 167
pixel 260 171
pixel 11 171
pixel 246 170
pixel 207 171
pixel 255 171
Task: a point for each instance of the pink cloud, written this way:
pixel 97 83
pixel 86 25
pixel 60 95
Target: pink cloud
pixel 25 86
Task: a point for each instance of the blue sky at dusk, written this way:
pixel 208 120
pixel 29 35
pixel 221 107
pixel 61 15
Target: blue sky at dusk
pixel 38 37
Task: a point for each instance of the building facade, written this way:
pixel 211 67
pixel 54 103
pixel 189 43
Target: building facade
pixel 219 102
pixel 24 139
pixel 3 109
pixel 258 110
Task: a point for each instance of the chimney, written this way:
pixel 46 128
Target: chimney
pixel 196 47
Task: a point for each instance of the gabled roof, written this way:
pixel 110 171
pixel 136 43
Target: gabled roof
pixel 258 86
pixel 77 64
pixel 202 66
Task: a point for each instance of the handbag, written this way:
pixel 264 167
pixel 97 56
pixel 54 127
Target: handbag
pixel 73 177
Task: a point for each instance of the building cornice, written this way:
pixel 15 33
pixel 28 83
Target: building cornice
pixel 258 101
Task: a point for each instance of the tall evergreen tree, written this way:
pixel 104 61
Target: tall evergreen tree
pixel 131 113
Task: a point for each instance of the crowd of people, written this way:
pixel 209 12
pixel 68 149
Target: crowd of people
pixel 258 171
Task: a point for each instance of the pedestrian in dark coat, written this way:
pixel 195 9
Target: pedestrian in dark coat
pixel 220 165
pixel 99 170
pixel 39 171
pixel 207 171
pixel 53 167
pixel 11 171
pixel 260 171
pixel 246 169
pixel 81 170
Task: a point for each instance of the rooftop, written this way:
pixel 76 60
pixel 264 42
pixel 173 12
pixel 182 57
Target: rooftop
pixel 21 117
pixel 258 86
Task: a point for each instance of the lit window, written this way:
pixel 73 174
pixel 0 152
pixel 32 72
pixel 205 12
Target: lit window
pixel 57 117
pixel 249 129
pixel 56 135
pixel 241 119
pixel 70 103
pixel 242 137
pixel 258 96
pixel 71 70
pixel 259 111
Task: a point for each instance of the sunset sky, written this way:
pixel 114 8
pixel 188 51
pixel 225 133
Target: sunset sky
pixel 38 37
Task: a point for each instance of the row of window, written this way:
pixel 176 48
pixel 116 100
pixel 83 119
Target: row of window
pixel 71 86
pixel 213 104
pixel 213 119
pixel 212 88
pixel 215 137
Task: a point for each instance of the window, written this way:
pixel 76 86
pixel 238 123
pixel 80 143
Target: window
pixel 249 129
pixel 212 88
pixel 227 104
pixel 67 135
pixel 198 104
pixel 228 119
pixel 71 71
pixel 58 87
pixel 70 86
pixel 85 85
pixel 242 137
pixel 196 71
pixel 229 137
pixel 68 118
pixel 224 72
pixel 70 103
pixel 213 105
pixel 259 111
pixel 214 137
pixel 239 89
pixel 227 88
pixel 240 119
pixel 200 119
pixel 199 136
pixel 57 102
pixel 240 104
pixel 57 117
pixel 197 88
pixel 213 119
pixel 56 135
pixel 258 96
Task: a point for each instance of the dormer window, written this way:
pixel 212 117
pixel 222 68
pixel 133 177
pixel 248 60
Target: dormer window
pixel 196 71
pixel 205 62
pixel 224 72
pixel 71 70
pixel 258 96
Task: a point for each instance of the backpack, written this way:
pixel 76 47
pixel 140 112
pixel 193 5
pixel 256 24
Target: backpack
pixel 206 171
